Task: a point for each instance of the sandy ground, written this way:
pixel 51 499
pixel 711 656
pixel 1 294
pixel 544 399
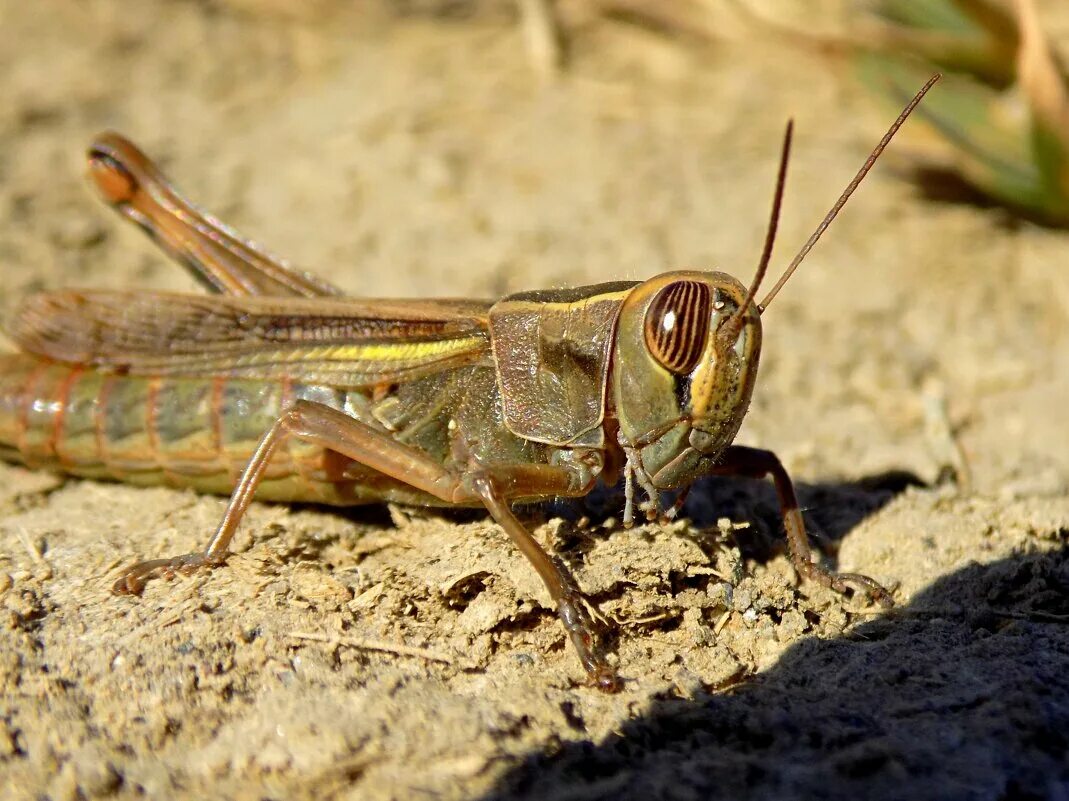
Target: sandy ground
pixel 397 654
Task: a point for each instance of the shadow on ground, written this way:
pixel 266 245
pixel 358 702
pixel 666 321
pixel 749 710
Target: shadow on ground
pixel 962 694
pixel 831 510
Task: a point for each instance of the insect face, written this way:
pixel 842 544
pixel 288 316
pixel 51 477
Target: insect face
pixel 683 333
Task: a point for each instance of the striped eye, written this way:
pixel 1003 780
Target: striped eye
pixel 677 325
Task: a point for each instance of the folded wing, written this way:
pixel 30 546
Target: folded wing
pixel 340 342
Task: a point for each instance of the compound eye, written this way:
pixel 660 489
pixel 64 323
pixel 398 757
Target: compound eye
pixel 677 325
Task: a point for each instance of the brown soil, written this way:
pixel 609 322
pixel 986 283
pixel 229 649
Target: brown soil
pixel 366 655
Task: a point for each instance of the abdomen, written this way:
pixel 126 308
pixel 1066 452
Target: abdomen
pixel 181 432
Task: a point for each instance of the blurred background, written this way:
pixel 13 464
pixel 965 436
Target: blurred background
pixel 480 147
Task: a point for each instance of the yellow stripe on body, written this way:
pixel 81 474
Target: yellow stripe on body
pixel 419 352
pixel 341 364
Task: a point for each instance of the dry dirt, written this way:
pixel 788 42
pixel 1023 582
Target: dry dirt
pixel 398 654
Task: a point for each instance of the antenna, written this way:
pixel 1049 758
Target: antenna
pixel 729 332
pixel 845 196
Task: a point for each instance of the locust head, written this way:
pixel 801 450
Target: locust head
pixel 687 349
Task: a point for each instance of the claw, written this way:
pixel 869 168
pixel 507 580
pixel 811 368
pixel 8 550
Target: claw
pixel 872 588
pixel 133 581
pixel 840 583
pixel 580 627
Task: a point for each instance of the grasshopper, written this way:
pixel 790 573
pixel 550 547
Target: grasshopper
pixel 277 387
